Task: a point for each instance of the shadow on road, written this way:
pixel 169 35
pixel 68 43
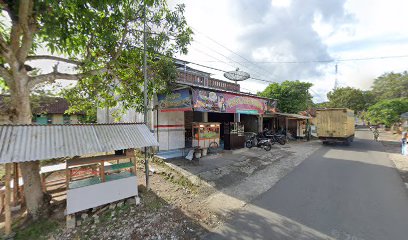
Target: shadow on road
pixel 345 192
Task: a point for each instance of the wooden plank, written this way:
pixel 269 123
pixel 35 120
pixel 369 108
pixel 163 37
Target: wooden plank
pixel 7 209
pixel 16 185
pixel 135 170
pixel 92 160
pixel 42 177
pixel 102 172
pixel 67 176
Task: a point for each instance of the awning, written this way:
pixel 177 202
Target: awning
pixel 21 143
pixel 292 115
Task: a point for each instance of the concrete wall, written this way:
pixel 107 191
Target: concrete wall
pixel 57 119
pixel 171 130
pixel 73 119
pixel 106 116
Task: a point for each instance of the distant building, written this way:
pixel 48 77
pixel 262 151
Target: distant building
pixel 48 110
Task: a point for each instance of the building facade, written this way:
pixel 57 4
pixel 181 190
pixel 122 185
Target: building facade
pixel 48 110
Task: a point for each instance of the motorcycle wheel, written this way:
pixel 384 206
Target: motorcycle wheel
pixel 248 144
pixel 267 147
pixel 281 141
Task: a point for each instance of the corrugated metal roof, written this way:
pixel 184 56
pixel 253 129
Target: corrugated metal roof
pixel 20 143
pixel 292 115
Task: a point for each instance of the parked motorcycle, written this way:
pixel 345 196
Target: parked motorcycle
pixel 256 141
pixel 279 138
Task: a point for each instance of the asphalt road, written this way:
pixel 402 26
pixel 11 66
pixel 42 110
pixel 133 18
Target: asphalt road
pixel 339 192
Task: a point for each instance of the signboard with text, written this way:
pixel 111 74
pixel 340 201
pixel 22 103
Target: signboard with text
pixel 179 100
pixel 211 101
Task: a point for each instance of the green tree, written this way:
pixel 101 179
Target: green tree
pixel 102 40
pixel 387 112
pixel 292 96
pixel 351 98
pixel 391 85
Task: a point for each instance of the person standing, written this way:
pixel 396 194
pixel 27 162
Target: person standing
pixel 404 147
pixel 376 133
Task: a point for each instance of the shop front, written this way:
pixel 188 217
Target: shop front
pixel 234 113
pixel 291 125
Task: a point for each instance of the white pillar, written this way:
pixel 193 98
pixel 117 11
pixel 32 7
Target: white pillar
pixel 237 117
pixel 205 116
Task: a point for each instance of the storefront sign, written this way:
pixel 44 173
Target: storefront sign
pixel 210 101
pixel 271 106
pixel 178 100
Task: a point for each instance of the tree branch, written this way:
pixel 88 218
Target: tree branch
pixel 4 73
pixel 54 58
pixel 28 25
pixel 122 42
pixel 52 76
pixel 3 46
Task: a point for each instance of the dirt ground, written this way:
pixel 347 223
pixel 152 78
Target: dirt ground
pixel 171 210
pixel 175 208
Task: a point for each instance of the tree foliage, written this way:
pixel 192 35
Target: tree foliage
pixel 391 85
pixel 292 96
pixel 387 112
pixel 351 98
pixel 102 40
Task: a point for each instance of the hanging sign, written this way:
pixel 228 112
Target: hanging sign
pixel 211 101
pixel 179 100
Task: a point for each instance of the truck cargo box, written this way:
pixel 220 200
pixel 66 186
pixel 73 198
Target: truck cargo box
pixel 335 124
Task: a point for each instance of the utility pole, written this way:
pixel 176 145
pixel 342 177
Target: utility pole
pixel 335 80
pixel 145 93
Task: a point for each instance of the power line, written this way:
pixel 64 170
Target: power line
pixel 258 79
pixel 233 51
pixel 220 70
pixel 226 57
pixel 332 60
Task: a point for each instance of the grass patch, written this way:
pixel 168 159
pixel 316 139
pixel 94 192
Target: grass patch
pixel 150 200
pixel 179 180
pixel 37 230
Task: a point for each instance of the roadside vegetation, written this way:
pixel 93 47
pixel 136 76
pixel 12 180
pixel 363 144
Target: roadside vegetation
pixel 383 104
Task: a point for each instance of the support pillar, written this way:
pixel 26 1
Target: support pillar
pixel 260 123
pixel 16 185
pixel 205 116
pixel 237 117
pixel 7 209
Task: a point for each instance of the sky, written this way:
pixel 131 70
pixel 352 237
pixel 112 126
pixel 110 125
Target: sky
pixel 278 40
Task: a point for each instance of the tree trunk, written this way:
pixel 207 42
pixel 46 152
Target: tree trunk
pixel 35 198
pixel 36 202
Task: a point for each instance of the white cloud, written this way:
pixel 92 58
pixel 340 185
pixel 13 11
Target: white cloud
pixel 282 30
pixel 281 3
